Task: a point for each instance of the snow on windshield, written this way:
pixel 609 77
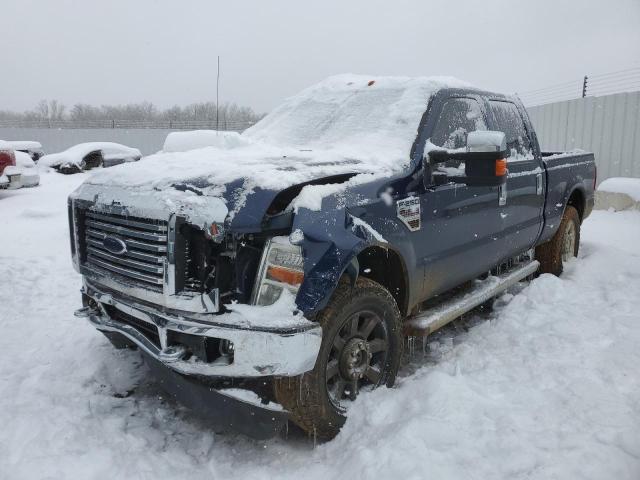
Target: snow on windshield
pixel 347 123
pixel 354 114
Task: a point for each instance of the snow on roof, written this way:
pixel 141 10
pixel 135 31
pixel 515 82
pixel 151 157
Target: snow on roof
pixel 353 113
pixel 24 144
pixel 75 154
pixel 346 123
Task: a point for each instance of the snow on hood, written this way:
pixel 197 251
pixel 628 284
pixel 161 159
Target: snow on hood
pixel 75 154
pixel 345 124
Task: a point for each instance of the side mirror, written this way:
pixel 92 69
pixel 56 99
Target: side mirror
pixel 484 160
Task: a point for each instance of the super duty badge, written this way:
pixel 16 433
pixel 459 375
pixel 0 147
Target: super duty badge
pixel 409 212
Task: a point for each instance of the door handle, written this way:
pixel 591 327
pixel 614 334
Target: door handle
pixel 539 184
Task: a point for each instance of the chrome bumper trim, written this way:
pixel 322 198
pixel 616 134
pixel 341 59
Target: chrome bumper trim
pixel 257 353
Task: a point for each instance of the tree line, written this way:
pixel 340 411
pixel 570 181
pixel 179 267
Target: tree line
pixel 53 110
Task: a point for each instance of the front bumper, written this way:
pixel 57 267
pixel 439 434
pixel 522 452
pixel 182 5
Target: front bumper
pixel 288 351
pixel 224 411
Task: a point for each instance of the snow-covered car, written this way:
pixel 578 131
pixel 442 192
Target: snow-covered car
pixel 9 172
pixel 86 156
pixel 32 148
pixel 17 169
pixel 29 176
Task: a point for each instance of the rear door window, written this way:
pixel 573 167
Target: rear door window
pixel 508 120
pixel 458 117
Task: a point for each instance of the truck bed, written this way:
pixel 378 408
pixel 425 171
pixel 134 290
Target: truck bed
pixel 567 174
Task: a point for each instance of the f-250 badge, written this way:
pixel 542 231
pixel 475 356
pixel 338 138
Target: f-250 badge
pixel 409 212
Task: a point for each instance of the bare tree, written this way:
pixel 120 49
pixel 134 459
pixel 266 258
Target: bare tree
pixel 231 114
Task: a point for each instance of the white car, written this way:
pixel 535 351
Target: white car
pixel 86 156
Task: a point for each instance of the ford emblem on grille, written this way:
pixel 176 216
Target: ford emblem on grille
pixel 114 245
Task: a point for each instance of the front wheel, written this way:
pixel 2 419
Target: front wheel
pixel 361 350
pixel 564 245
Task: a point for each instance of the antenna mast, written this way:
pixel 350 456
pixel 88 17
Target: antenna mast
pixel 217 92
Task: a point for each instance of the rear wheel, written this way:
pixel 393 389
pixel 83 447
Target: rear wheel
pixel 563 246
pixel 361 350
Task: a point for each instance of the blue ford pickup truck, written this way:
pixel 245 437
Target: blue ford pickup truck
pixel 274 275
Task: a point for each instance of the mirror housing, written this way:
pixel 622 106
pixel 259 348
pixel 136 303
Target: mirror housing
pixel 484 160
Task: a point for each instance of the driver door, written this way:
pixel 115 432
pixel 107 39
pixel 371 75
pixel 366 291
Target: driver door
pixel 460 224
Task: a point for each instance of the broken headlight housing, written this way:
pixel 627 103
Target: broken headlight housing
pixel 281 268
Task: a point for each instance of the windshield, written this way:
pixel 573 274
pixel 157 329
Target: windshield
pixel 353 114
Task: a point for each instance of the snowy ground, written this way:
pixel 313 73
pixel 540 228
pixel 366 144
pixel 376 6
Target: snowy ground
pixel 547 387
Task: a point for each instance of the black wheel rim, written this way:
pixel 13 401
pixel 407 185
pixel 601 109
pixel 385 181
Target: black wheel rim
pixel 357 358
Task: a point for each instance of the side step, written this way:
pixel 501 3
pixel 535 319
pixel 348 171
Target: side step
pixel 430 320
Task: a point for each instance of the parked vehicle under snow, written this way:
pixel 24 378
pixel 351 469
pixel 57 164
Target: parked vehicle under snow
pixel 86 156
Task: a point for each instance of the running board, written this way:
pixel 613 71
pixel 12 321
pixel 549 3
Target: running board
pixel 430 320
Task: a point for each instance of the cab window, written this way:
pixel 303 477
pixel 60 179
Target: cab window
pixel 458 117
pixel 508 120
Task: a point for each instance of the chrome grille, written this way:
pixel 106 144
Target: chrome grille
pixel 146 241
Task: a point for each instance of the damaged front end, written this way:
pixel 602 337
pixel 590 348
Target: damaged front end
pixel 167 275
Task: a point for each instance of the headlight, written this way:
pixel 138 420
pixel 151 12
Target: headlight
pixel 281 267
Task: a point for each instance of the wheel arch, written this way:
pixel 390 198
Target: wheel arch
pixel 578 200
pixel 385 265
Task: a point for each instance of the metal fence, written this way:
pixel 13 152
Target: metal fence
pixel 627 80
pixel 608 125
pixel 222 124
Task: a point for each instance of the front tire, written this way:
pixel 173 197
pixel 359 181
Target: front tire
pixel 361 349
pixel 563 246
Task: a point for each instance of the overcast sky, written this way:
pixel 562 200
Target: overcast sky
pixel 164 51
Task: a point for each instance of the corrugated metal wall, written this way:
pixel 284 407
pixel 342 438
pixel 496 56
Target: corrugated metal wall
pixel 147 140
pixel 609 126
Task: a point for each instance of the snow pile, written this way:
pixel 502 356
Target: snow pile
pixel 618 193
pixel 185 141
pixel 627 186
pixel 347 123
pixel 546 388
pixel 74 155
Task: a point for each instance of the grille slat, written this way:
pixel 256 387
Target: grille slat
pixel 128 232
pixel 150 247
pixel 145 239
pixel 125 261
pixel 151 227
pixel 146 257
pixel 126 272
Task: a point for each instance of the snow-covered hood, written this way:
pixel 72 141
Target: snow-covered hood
pixel 233 186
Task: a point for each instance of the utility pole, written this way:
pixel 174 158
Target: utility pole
pixel 584 87
pixel 218 91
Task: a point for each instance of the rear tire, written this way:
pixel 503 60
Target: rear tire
pixel 563 246
pixel 361 347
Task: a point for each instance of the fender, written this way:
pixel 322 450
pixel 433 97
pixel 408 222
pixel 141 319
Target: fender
pixel 331 244
pixel 555 211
